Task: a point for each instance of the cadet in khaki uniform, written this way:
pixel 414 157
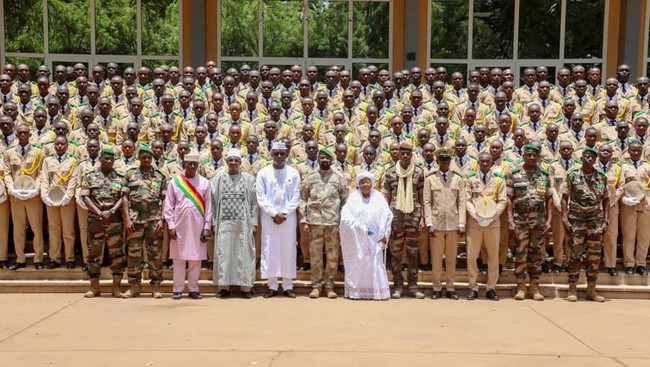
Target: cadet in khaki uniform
pixel 323 194
pixel 101 192
pixel 444 213
pixel 482 185
pixel 529 191
pixel 585 207
pixel 144 193
pixel 5 214
pixel 635 214
pixel 23 160
pixel 84 166
pixel 58 170
pixel 403 185
pixel 615 185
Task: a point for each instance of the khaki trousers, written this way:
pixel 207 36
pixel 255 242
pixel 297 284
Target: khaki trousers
pixel 5 214
pixel 60 223
pixel 636 235
pixel 29 212
pixel 444 244
pixel 477 238
pixel 609 239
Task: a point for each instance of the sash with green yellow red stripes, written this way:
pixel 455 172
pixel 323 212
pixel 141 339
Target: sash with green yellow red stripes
pixel 191 193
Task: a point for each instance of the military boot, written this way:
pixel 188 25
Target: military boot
pixel 94 289
pixel 521 291
pixel 592 295
pixel 155 291
pixel 117 281
pixel 133 291
pixel 330 293
pixel 572 295
pixel 534 290
pixel 315 293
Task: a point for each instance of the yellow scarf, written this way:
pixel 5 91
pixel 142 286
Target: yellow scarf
pixel 404 200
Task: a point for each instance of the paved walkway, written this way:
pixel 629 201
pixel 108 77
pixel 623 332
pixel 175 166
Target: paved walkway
pixel 68 330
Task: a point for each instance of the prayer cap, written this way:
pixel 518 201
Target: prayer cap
pixel 405 145
pixel 191 158
pixel 233 153
pixel 278 145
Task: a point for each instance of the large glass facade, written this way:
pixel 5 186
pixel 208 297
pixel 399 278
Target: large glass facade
pixel 304 32
pixel 468 34
pixel 52 32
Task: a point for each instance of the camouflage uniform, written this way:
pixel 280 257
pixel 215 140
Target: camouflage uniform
pixel 104 190
pixel 529 193
pixel 146 192
pixel 586 193
pixel 405 227
pixel 323 194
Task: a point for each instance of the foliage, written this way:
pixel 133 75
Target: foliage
pixel 23 25
pixel 328 29
pixel 370 30
pixel 449 20
pixel 115 22
pixel 283 28
pixel 239 27
pixel 160 35
pixel 69 26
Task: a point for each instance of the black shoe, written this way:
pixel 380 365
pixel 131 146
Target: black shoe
pixel 436 295
pixel 177 295
pixel 53 265
pixel 472 295
pixel 3 265
pixel 452 295
pixel 194 295
pixel 307 267
pixel 270 294
pixel 247 295
pixel 491 295
pixel 483 270
pixel 70 265
pixel 545 269
pixel 629 270
pixel 341 268
pixel 85 267
pixel 224 293
pixel 556 269
pixel 210 265
pixel 39 266
pixel 166 265
pixel 17 266
pixel 641 270
pixel 289 293
pixel 612 271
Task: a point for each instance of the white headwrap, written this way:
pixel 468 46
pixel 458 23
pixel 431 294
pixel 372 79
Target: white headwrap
pixel 233 153
pixel 363 175
pixel 278 145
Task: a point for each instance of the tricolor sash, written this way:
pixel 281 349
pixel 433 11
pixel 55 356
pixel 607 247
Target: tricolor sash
pixel 191 193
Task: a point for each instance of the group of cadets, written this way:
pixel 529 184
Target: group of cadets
pixel 54 126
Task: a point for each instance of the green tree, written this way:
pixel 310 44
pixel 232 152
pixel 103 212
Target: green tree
pixel 69 26
pixel 239 31
pixel 116 27
pixel 23 23
pixel 160 27
pixel 370 34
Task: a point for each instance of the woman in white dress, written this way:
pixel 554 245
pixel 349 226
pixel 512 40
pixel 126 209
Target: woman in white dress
pixel 365 229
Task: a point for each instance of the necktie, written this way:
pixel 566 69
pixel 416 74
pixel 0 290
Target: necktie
pixel 137 119
pixel 635 164
pixel 566 165
pixel 580 101
pixel 6 140
pixel 93 160
pixel 5 99
pixel 543 103
pixel 313 165
pixel 266 102
pixel 51 120
pixel 321 113
pixel 408 128
pixel 605 167
pixel 505 137
pixel 269 145
pixel 167 118
pixel 458 93
pixel 442 140
pixel 563 91
pixel 23 150
pixel 535 127
pixel 429 166
pixel 349 113
pixel 286 113
pixel 43 100
pixel 165 146
pixel 215 164
pixel 484 178
pixel 553 146
pixel 24 109
pixel 469 128
pixel 519 151
pixel 531 89
pixel 593 91
pixel 229 99
pixel 60 159
pixel 157 101
pixel 471 104
pixel 612 122
pixel 117 98
pixel 642 138
pixel 184 114
pixel 444 176
pixel 623 88
pixel 250 115
pixel 623 145
pixel 365 90
pixel 250 158
pixel 330 93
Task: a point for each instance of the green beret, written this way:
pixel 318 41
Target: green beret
pixel 327 152
pixel 590 149
pixel 145 148
pixel 107 151
pixel 532 147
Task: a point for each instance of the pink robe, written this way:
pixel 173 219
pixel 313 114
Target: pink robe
pixel 182 215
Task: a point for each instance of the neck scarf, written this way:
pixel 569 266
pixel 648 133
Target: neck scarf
pixel 404 201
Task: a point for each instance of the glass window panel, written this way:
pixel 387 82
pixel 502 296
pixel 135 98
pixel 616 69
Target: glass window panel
pixel 225 65
pixel 160 27
pixel 239 30
pixel 322 69
pixel 120 67
pixel 539 29
pixel 552 73
pixel 449 29
pixel 356 67
pixel 23 24
pixel 69 26
pixel 452 68
pixel 493 29
pixel 283 28
pixel 152 64
pixel 328 29
pixel 370 30
pixel 116 27
pixel 33 64
pixel 584 29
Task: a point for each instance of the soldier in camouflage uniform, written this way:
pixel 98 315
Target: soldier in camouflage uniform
pixel 323 194
pixel 144 193
pixel 585 213
pixel 407 217
pixel 529 218
pixel 101 191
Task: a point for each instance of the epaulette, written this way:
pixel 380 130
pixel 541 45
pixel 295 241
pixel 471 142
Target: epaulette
pixel 409 136
pixel 515 170
pixel 74 142
pixel 298 161
pixel 160 171
pixel 119 173
pixel 390 110
pixel 132 168
pixel 286 122
pixel 520 160
pixel 497 174
pixel 386 135
pixel 47 142
pixel 507 159
pixel 170 159
pixel 508 148
pixel 473 156
pixel 147 98
pixel 419 164
pixel 146 87
pixel 154 114
pixel 37 145
pixel 544 170
pixel 10 148
pixel 572 169
pixel 207 160
pixel 74 156
pixel 386 150
pixel 318 117
pixel 471 174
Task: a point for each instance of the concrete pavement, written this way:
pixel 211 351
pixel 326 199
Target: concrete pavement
pixel 68 330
